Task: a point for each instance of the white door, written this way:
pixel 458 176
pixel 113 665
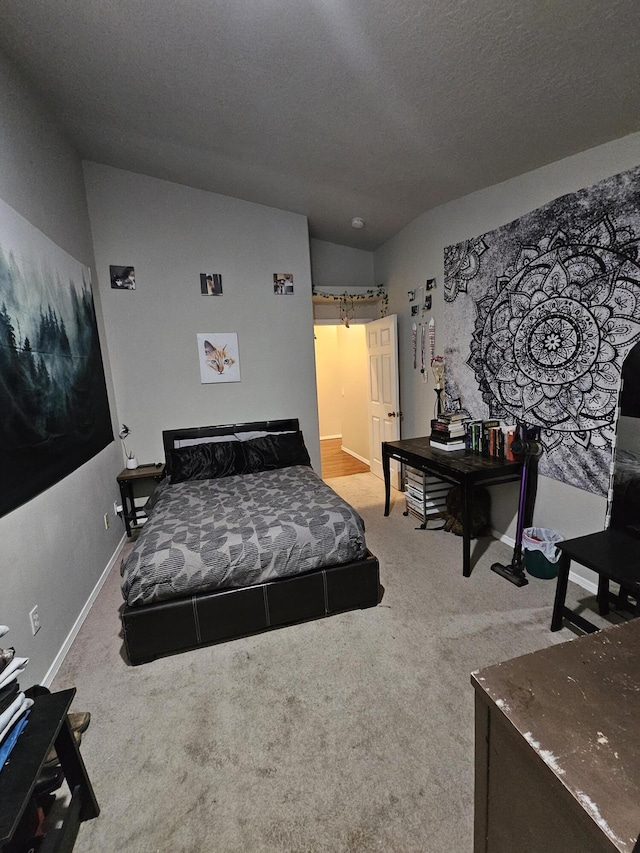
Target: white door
pixel 384 392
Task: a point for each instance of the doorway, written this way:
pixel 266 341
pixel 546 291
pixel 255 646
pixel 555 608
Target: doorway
pixel 342 383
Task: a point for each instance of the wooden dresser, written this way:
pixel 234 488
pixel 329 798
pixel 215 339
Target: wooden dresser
pixel 558 748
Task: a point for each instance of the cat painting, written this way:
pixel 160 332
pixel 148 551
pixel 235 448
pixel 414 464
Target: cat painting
pixel 217 358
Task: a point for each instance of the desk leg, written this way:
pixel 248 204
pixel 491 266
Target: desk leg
pixel 467 499
pixel 603 595
pixel 386 470
pixel 561 591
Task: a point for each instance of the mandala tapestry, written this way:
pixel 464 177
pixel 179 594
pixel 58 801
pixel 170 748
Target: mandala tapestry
pixel 541 314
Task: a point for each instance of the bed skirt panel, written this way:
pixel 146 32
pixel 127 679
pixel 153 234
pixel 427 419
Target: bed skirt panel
pixel 153 630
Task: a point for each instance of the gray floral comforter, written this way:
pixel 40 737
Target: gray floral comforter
pixel 204 535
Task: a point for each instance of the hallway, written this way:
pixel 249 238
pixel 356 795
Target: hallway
pixel 337 463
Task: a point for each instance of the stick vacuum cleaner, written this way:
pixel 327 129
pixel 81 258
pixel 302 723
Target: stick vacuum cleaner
pixel 530 450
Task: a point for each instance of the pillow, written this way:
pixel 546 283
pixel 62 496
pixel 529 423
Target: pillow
pixel 205 461
pixel 224 459
pixel 277 450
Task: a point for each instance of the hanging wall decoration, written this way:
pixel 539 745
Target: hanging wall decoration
pixel 122 278
pixel 541 314
pixel 54 411
pixel 210 284
pixel 218 356
pixel 282 283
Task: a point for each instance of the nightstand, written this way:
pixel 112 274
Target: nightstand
pixel 126 480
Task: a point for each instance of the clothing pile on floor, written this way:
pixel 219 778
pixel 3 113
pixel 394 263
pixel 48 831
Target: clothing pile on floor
pixel 14 704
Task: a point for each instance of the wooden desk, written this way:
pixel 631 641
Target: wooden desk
pixel 613 555
pixel 557 748
pixel 458 467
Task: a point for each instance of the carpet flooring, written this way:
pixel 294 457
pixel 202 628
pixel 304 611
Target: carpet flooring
pixel 351 733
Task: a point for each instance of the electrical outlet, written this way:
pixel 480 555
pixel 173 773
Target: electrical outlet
pixel 34 617
pixel 106 521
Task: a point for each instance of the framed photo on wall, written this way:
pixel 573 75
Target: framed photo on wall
pixel 282 282
pixel 122 278
pixel 211 284
pixel 218 357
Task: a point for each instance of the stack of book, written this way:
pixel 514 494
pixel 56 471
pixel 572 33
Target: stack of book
pixel 425 494
pixel 491 438
pixel 448 431
pixel 14 705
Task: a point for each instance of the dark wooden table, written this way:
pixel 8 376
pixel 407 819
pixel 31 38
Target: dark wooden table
pixel 47 726
pixel 613 555
pixel 458 467
pixel 126 479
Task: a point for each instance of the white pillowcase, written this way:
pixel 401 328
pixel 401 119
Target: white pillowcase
pixel 189 442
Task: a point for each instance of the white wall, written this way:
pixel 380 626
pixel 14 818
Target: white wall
pixel 54 548
pixel 354 389
pixel 338 266
pixel 328 381
pixel 170 234
pixel 342 379
pixel 337 270
pixel 416 254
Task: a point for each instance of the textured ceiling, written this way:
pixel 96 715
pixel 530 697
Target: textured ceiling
pixel 333 108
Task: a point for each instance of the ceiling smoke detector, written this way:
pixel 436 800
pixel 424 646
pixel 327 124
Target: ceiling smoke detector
pixel 357 222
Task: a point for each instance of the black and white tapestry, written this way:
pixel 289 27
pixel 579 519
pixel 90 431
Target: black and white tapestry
pixel 54 411
pixel 540 315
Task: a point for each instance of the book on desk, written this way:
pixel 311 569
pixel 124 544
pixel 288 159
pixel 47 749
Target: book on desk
pixel 489 437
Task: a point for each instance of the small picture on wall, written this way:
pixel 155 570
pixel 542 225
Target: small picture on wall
pixel 431 283
pixel 122 278
pixel 427 303
pixel 414 310
pixel 282 282
pixel 218 357
pixel 210 284
pixel 412 295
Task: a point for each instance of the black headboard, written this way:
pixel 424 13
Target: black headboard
pixel 170 436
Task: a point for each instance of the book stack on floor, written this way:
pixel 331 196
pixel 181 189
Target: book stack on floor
pixel 448 431
pixel 425 494
pixel 14 705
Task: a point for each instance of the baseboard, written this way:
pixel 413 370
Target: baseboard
pixel 329 437
pixel 73 633
pixel 573 576
pixel 354 454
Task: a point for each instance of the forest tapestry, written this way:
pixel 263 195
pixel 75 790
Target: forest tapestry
pixel 542 313
pixel 54 411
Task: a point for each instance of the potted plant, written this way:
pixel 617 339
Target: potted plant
pixel 132 461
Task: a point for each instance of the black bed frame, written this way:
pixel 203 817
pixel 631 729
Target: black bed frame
pixel 152 630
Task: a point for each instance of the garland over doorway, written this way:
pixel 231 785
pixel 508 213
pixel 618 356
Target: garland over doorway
pixel 348 301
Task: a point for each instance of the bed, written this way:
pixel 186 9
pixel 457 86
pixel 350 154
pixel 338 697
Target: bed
pixel 242 537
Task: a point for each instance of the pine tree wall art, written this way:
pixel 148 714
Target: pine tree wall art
pixel 54 410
